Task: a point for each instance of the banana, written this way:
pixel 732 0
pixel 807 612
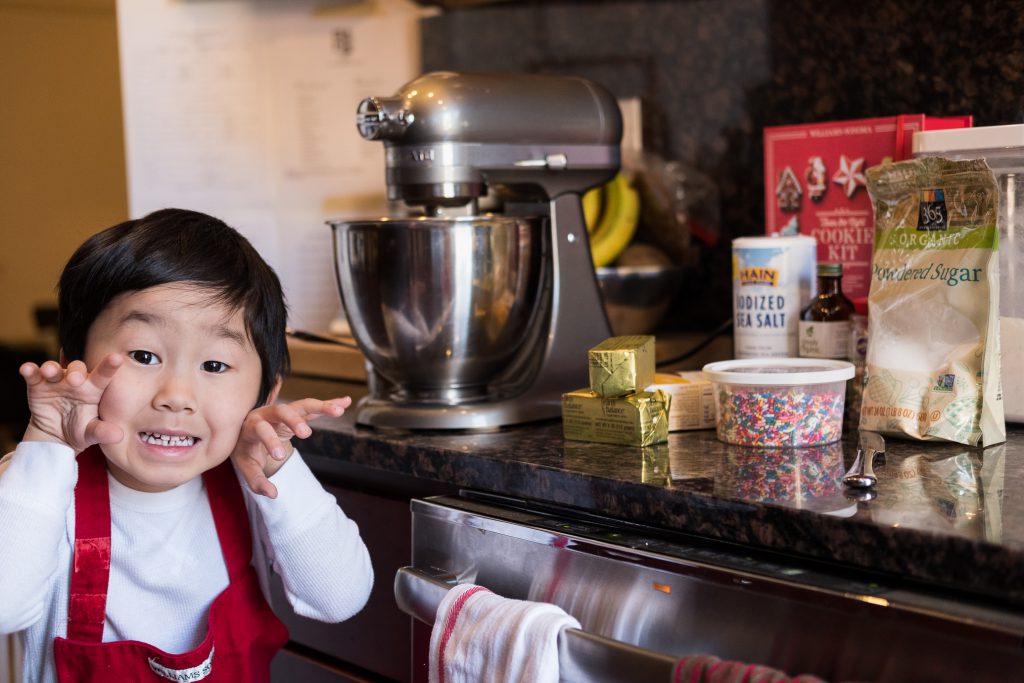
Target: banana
pixel 593 202
pixel 618 221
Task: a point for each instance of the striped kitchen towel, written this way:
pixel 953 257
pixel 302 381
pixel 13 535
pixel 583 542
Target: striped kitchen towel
pixel 708 669
pixel 479 636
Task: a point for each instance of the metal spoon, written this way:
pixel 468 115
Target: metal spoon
pixel 861 474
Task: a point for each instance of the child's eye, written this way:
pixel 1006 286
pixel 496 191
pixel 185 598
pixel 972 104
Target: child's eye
pixel 144 357
pixel 215 366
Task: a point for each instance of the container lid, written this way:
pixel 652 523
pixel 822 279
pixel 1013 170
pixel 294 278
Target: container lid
pixel 773 241
pixel 778 371
pixel 989 138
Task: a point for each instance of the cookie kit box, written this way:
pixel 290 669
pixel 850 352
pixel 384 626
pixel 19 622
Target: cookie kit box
pixel 815 184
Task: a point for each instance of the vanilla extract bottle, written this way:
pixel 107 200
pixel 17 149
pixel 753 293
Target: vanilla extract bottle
pixel 824 327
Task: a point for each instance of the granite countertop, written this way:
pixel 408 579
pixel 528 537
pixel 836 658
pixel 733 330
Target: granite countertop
pixel 944 515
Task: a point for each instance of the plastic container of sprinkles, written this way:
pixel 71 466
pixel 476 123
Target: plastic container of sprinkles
pixel 779 401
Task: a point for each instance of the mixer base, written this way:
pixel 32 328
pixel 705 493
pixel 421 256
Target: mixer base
pixel 480 416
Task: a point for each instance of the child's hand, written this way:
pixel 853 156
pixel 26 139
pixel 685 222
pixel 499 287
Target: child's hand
pixel 265 440
pixel 64 403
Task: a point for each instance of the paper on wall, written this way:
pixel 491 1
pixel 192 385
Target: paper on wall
pixel 246 110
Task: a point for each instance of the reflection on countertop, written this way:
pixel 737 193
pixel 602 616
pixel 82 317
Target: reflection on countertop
pixel 943 515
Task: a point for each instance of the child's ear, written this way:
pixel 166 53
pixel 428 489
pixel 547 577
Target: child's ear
pixel 274 391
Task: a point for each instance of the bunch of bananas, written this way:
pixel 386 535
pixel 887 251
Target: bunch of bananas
pixel 611 213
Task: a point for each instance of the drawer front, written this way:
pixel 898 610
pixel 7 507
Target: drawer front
pixel 291 667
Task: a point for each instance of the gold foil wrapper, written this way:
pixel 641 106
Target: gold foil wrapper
pixel 655 466
pixel 651 463
pixel 638 419
pixel 622 365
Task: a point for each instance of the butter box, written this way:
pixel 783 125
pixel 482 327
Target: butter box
pixel 693 400
pixel 638 419
pixel 621 365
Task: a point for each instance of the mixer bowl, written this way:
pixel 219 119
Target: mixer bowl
pixel 441 306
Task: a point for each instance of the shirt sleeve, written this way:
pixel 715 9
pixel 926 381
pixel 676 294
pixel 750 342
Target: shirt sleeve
pixel 312 545
pixel 37 483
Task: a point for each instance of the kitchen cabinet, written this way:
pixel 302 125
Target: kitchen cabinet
pixel 288 665
pixel 377 638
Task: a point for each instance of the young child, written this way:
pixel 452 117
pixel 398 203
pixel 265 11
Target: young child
pixel 156 483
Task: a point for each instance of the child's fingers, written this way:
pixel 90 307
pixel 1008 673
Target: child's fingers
pixel 293 416
pixel 51 371
pixel 266 488
pixel 31 373
pixel 267 435
pixel 75 374
pixel 338 405
pixel 100 432
pixel 106 370
pixel 313 408
pixel 253 474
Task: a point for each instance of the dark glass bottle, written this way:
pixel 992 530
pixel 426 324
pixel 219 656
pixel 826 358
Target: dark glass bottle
pixel 825 325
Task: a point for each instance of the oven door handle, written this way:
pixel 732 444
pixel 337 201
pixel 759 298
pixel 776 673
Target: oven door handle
pixel 582 656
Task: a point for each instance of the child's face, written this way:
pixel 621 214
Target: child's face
pixel 189 378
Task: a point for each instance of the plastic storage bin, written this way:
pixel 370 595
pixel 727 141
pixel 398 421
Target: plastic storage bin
pixel 1003 148
pixel 779 401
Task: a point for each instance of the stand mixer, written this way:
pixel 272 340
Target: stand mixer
pixel 473 320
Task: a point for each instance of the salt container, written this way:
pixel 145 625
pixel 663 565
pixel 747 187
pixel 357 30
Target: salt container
pixel 772 281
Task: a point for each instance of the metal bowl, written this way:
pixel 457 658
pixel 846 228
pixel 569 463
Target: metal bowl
pixel 636 298
pixel 440 306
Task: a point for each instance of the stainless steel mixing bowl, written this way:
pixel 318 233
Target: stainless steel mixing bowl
pixel 440 306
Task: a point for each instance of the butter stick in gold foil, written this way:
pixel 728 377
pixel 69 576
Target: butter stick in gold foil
pixel 622 365
pixel 639 419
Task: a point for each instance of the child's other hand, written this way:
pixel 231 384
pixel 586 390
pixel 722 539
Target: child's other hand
pixel 64 402
pixel 265 440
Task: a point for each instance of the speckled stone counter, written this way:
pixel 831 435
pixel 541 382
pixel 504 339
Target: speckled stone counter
pixel 944 515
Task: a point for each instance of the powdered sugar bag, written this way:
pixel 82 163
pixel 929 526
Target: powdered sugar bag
pixel 933 358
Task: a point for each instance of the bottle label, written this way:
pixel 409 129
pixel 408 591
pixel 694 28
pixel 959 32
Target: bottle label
pixel 824 339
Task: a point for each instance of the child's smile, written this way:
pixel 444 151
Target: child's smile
pixel 189 378
pixel 167 440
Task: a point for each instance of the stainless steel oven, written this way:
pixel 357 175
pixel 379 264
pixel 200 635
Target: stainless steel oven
pixel 644 599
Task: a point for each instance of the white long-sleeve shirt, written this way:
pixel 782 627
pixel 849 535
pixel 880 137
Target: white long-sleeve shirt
pixel 166 563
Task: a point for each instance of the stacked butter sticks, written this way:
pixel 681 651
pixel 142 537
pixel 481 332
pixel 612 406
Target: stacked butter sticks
pixel 616 409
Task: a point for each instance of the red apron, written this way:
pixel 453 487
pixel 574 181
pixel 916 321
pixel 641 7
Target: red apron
pixel 243 634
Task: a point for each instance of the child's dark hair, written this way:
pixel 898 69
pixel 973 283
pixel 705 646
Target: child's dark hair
pixel 172 246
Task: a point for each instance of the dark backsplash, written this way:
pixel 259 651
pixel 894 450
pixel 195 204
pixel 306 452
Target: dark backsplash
pixel 713 73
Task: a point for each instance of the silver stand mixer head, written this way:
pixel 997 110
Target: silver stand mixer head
pixel 540 142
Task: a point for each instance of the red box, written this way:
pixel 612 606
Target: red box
pixel 814 183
